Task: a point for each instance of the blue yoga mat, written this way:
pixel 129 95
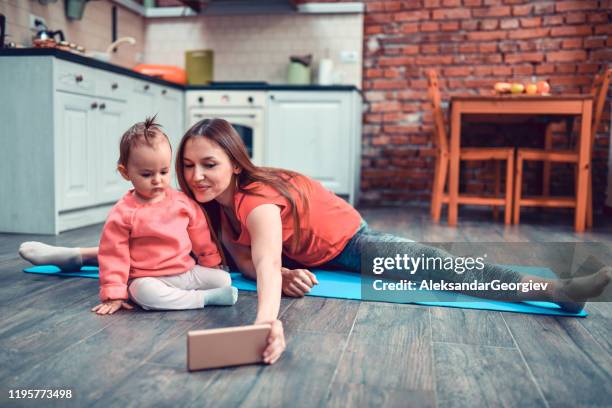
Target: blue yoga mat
pixel 347 285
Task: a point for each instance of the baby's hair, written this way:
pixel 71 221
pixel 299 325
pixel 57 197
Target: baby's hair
pixel 147 132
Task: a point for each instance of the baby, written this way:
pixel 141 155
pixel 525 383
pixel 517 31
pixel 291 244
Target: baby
pixel 150 233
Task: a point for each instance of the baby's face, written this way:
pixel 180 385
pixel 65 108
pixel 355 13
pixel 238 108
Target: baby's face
pixel 148 169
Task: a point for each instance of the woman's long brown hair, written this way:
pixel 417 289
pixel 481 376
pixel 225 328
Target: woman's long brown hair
pixel 223 134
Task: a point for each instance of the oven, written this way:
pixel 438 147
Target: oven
pixel 243 109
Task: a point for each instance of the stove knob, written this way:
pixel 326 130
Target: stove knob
pixel 201 99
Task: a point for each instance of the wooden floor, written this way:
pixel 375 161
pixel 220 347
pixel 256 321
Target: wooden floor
pixel 340 352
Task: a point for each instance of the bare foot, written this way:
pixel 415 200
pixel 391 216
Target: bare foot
pixel 572 294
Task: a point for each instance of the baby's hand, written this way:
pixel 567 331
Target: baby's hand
pixel 111 306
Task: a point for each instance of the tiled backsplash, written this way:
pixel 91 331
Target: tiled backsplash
pixel 92 32
pixel 257 47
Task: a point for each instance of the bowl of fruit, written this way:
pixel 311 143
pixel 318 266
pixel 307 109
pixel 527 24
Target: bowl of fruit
pixel 517 88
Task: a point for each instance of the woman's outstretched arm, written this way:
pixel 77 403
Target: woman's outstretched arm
pixel 265 228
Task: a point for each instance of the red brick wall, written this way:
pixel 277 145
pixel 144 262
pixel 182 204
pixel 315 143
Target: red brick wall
pixel 472 44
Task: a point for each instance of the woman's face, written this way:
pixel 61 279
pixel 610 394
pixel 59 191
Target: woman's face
pixel 208 170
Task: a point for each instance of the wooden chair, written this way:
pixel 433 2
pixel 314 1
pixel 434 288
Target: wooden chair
pixel 599 91
pixel 441 142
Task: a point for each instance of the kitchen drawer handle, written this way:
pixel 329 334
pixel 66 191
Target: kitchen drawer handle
pixel 94 105
pixel 103 106
pixel 146 87
pixel 271 97
pixel 201 99
pixel 114 86
pixel 164 91
pixel 78 78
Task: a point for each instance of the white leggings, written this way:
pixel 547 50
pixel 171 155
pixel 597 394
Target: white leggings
pixel 177 292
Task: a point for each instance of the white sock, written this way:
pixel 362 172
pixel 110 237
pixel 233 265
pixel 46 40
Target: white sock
pixel 38 253
pixel 225 296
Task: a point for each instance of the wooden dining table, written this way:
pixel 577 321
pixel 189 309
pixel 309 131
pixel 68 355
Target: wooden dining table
pixel 523 106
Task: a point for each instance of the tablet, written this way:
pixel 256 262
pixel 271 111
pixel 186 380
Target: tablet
pixel 229 346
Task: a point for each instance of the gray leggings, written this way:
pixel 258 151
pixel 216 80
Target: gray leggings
pixel 350 259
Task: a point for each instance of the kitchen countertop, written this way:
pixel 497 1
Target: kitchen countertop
pixel 90 62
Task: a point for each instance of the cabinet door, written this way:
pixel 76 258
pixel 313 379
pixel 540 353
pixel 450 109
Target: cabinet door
pixel 309 132
pixel 170 114
pixel 141 102
pixel 75 165
pixel 111 122
pixel 169 106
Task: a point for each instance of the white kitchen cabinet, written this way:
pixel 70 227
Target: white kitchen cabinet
pixel 63 121
pixel 151 99
pixel 88 131
pixel 172 120
pixel 142 101
pixel 316 133
pixel 61 129
pixel 75 151
pixel 167 104
pixel 111 122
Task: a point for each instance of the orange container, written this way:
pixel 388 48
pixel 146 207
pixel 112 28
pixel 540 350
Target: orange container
pixel 168 73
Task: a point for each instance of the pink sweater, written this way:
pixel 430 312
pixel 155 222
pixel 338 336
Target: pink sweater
pixel 155 239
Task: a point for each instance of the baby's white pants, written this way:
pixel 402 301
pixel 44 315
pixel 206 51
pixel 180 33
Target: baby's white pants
pixel 177 292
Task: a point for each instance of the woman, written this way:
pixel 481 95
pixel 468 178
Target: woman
pixel 270 217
